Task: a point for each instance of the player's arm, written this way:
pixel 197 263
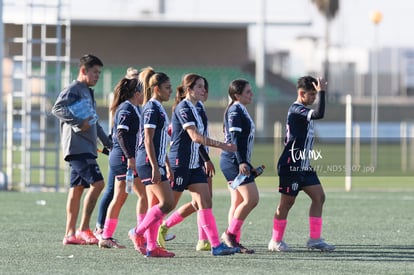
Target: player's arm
pixel 198 138
pixel 203 153
pixel 209 166
pixel 150 149
pixel 241 153
pixel 320 88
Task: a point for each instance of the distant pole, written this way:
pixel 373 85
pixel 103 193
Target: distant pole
pixel 403 135
pixel 3 176
pixel 1 84
pixel 348 143
pixel 260 70
pixel 376 18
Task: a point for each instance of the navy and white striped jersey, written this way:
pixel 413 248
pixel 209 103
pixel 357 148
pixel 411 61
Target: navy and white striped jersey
pixel 202 112
pixel 298 140
pixel 154 116
pixel 183 151
pixel 126 123
pixel 239 129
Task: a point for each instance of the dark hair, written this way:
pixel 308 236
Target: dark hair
pixel 150 79
pixel 236 87
pixel 89 60
pixel 205 83
pixel 188 81
pixel 124 90
pixel 305 83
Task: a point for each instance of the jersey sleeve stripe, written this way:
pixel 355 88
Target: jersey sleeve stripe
pixel 309 116
pixel 235 129
pixel 188 124
pixel 123 127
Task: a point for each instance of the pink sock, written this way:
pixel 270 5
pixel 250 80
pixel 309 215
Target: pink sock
pixel 279 227
pixel 235 226
pixel 140 218
pixel 208 223
pixel 151 235
pixel 315 227
pixel 174 219
pixel 153 215
pixel 202 236
pixel 109 228
pixel 238 236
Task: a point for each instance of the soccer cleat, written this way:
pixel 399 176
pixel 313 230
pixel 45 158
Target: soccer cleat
pixel 222 249
pixel 278 246
pixel 138 241
pixel 162 233
pixel 98 233
pixel 160 252
pixel 230 240
pixel 110 243
pixel 203 245
pixel 72 240
pixel 169 237
pixel 319 244
pixel 87 236
pixel 245 250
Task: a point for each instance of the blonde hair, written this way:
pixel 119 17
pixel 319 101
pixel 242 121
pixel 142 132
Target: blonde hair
pixel 132 73
pixel 150 79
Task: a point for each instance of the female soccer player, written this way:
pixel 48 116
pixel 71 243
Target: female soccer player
pixel 152 162
pixel 294 169
pixel 126 117
pixel 108 194
pixel 207 165
pixel 187 136
pixel 239 129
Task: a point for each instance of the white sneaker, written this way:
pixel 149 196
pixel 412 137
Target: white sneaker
pixel 98 233
pixel 319 244
pixel 278 246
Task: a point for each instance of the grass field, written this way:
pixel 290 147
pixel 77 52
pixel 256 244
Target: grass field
pixel 371 226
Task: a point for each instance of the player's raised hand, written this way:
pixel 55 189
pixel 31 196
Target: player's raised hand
pixel 321 85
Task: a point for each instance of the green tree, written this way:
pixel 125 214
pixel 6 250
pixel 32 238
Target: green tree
pixel 329 9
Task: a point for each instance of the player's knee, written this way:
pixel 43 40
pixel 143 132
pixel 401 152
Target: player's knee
pixel 98 186
pixel 253 202
pixel 166 206
pixel 195 206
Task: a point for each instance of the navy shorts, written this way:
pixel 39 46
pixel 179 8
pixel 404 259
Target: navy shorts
pixel 230 170
pixel 145 173
pixel 84 172
pixel 183 177
pixel 119 167
pixel 291 183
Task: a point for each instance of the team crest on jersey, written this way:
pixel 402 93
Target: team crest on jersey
pixel 183 113
pixel 147 115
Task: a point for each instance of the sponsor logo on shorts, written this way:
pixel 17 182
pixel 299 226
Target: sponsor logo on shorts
pixel 162 171
pixel 295 186
pixel 179 181
pixel 98 171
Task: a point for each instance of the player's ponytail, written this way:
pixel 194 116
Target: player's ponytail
pixel 236 87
